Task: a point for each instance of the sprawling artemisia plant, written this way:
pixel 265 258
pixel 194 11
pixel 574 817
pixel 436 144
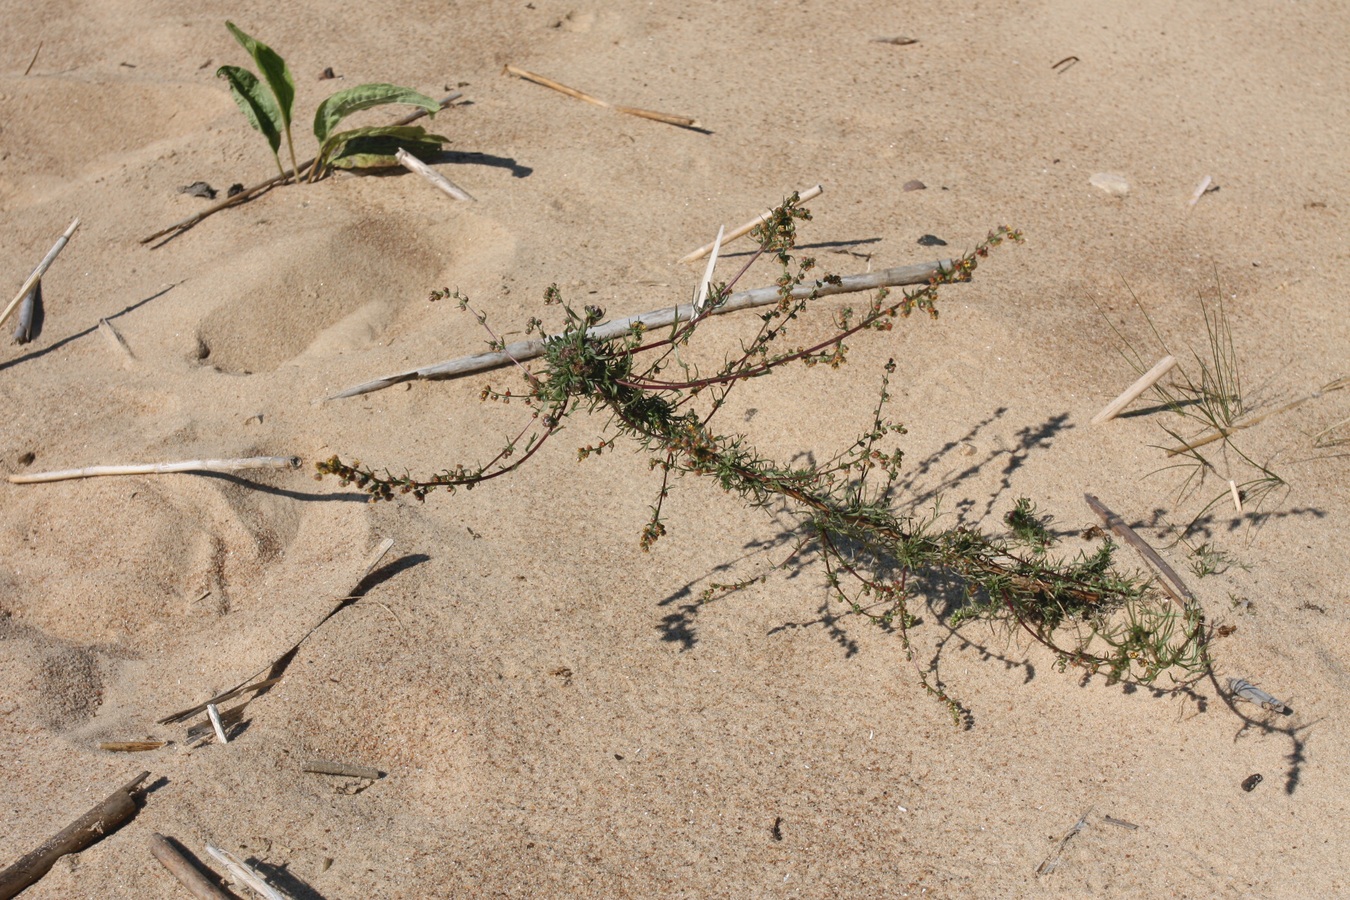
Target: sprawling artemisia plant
pixel 1091 615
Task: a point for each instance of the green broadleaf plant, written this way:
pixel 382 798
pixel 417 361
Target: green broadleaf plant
pixel 269 111
pixel 278 77
pixel 258 106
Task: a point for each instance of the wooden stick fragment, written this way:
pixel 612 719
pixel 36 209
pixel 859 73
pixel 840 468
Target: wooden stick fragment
pixel 130 746
pixel 118 808
pixel 1146 381
pixel 194 465
pixel 219 727
pixel 1052 861
pixel 523 350
pixel 41 270
pixel 681 121
pixel 188 875
pixel 1177 590
pixel 251 192
pixel 28 308
pixel 325 767
pixel 245 873
pixel 436 179
pixel 809 194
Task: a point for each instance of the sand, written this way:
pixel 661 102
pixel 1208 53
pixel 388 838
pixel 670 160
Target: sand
pixel 555 713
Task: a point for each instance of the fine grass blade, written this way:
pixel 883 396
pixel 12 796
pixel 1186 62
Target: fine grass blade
pixel 364 96
pixel 257 105
pixel 375 146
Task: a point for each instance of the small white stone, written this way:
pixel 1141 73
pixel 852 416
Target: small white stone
pixel 1115 185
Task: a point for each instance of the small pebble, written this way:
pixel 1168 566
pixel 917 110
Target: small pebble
pixel 931 240
pixel 915 185
pixel 1250 782
pixel 327 74
pixel 1115 185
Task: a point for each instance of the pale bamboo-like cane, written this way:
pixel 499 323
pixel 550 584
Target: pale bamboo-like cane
pixel 436 179
pixel 245 873
pixel 809 194
pixel 1199 191
pixel 194 465
pixel 1146 381
pixel 40 270
pixel 523 350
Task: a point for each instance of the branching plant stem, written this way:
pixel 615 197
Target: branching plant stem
pixel 1083 609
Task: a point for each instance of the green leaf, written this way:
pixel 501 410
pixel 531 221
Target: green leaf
pixel 376 142
pixel 364 96
pixel 273 69
pixel 256 104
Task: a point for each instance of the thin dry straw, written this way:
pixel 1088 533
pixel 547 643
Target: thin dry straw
pixel 681 121
pixel 194 465
pixel 41 270
pixel 436 179
pixel 346 770
pixel 1222 433
pixel 249 193
pixel 523 350
pixel 809 194
pixel 1146 381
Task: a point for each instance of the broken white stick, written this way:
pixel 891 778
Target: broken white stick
pixel 701 298
pixel 1200 191
pixel 40 270
pixel 242 872
pixel 193 465
pixel 436 179
pixel 1133 391
pixel 1237 497
pixel 808 194
pixel 214 712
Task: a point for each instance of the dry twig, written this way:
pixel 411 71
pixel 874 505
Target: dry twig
pixel 119 807
pixel 245 873
pixel 182 868
pixel 1177 590
pixel 1146 381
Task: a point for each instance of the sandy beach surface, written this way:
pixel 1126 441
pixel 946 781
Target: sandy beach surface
pixel 553 711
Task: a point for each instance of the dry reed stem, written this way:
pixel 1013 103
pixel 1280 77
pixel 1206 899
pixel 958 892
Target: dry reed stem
pixel 660 318
pixel 434 178
pixel 188 875
pixel 194 465
pixel 1222 433
pixel 41 270
pixel 809 194
pixel 116 341
pixel 1199 192
pixel 1146 381
pixel 549 83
